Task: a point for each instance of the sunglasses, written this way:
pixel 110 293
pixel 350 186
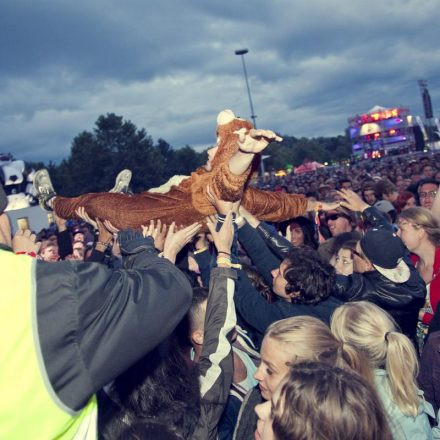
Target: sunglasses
pixel 334 217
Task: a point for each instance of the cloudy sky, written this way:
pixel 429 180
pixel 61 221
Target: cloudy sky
pixel 169 66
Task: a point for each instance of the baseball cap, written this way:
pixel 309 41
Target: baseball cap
pixel 385 250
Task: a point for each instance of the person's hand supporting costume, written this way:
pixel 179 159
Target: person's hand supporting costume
pixel 223 239
pixel 175 241
pixel 157 232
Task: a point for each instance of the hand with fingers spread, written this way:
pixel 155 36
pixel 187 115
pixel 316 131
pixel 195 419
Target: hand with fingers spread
pixel 255 141
pixel 221 206
pixel 158 233
pixel 223 238
pixel 82 214
pixel 24 242
pixel 175 241
pixel 352 201
pixel 110 227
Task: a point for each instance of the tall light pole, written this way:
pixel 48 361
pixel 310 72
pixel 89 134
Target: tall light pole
pixel 242 53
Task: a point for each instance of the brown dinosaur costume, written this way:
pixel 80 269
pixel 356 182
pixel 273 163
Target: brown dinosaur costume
pixel 187 202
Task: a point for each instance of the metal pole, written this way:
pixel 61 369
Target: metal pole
pixel 253 116
pixel 242 53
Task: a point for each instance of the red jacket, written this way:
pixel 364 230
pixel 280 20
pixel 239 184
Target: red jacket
pixel 434 288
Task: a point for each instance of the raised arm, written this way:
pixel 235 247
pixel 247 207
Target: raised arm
pixel 93 323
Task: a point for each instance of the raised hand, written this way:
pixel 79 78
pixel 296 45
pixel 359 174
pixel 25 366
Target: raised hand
pixel 322 206
pixel 176 240
pixel 110 227
pixel 104 235
pixel 158 233
pixel 82 214
pixel 255 141
pixel 221 206
pixel 224 237
pixel 24 241
pixel 352 201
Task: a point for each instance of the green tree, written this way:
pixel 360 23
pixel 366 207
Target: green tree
pixel 96 158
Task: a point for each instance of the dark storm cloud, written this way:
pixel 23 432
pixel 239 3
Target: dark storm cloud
pixel 169 66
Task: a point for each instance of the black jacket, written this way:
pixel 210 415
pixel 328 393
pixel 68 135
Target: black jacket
pixel 401 300
pixel 253 308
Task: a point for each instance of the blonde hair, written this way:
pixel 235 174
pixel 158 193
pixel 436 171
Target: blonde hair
pixel 370 329
pixel 423 218
pixel 312 340
pixel 321 402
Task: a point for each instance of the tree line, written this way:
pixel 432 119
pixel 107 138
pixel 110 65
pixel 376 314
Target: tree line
pixel 96 157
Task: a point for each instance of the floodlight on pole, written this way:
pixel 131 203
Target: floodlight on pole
pixel 242 53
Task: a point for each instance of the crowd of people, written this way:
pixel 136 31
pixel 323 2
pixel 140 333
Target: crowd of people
pixel 323 325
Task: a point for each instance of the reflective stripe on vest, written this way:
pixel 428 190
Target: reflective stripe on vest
pixel 28 405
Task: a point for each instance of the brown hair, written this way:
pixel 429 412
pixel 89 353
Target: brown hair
pixel 319 402
pixel 384 186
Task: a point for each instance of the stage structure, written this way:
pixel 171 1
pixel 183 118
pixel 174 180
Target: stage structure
pixel 382 131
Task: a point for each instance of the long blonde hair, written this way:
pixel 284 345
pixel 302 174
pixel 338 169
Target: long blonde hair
pixel 312 340
pixel 423 218
pixel 370 329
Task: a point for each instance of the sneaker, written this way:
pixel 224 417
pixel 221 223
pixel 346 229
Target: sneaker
pixel 122 181
pixel 44 189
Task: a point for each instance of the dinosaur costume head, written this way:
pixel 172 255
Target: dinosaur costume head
pixel 227 137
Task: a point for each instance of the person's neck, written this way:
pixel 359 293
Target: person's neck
pixel 426 252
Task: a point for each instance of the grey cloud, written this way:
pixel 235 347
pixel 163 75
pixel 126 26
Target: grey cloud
pixel 169 66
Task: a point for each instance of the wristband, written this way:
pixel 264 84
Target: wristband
pixel 225 253
pixel 227 262
pixel 30 254
pixel 102 243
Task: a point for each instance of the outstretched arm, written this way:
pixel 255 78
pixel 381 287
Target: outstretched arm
pixel 249 145
pixel 277 206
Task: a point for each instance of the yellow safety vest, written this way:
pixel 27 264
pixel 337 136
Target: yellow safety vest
pixel 29 407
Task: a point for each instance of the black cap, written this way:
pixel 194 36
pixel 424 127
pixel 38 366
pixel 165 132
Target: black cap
pixel 383 248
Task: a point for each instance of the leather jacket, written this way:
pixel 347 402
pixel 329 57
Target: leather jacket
pixel 279 245
pixel 401 300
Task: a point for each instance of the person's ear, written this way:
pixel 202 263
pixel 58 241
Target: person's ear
pixel 197 337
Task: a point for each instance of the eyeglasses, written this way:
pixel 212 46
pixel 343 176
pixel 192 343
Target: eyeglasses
pixel 425 195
